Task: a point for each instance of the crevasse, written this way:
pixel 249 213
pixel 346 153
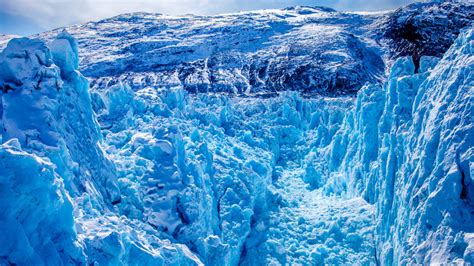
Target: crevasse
pixel 408 150
pixel 165 177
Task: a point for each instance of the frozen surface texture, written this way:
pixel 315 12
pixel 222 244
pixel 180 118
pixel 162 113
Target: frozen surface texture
pixel 159 175
pixel 37 213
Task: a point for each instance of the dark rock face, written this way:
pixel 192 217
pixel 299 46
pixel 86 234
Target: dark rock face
pixel 426 29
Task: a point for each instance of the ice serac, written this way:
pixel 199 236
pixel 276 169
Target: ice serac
pixel 408 148
pixel 429 160
pixel 59 188
pixel 37 214
pixel 37 217
pixel 184 171
pixel 47 107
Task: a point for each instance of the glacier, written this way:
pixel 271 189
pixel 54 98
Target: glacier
pixel 374 172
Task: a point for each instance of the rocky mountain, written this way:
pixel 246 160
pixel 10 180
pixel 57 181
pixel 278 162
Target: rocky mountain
pixel 313 50
pixel 426 28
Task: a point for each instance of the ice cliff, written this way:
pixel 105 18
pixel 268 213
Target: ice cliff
pixel 407 147
pixel 155 174
pixel 57 182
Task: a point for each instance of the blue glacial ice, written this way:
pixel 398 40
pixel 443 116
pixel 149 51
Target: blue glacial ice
pixel 147 176
pixel 58 185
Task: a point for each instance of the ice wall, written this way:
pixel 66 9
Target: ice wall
pixel 59 189
pixel 425 200
pixel 37 214
pixel 46 106
pixel 407 148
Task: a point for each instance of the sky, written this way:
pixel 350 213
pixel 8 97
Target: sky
pixel 25 17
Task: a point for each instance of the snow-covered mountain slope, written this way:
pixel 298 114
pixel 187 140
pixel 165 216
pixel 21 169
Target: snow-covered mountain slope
pixel 310 49
pixel 160 175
